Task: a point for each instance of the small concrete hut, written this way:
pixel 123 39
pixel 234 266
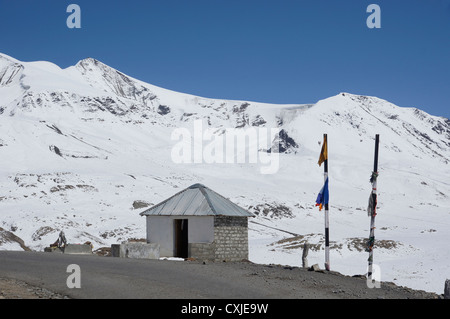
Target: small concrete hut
pixel 198 222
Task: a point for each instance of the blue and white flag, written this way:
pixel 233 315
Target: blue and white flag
pixel 323 196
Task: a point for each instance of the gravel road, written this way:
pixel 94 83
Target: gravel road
pixel 44 275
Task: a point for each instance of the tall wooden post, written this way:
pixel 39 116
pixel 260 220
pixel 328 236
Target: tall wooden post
pixel 372 209
pixel 327 232
pixel 323 198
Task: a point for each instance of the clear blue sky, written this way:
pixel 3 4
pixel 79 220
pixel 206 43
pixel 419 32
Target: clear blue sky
pixel 275 51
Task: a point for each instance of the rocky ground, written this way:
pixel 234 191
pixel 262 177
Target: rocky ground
pixel 14 289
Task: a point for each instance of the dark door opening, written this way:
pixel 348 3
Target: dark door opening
pixel 181 238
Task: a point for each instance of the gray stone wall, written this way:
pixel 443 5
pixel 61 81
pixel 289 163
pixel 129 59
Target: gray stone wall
pixel 202 251
pixel 230 241
pixel 231 238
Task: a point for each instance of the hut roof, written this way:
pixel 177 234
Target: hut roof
pixel 196 200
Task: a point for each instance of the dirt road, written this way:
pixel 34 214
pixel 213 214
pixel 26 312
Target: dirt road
pixel 45 275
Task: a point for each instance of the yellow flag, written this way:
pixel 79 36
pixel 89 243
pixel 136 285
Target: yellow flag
pixel 324 151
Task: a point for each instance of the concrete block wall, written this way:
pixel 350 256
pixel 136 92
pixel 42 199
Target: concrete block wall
pixel 135 250
pixel 231 238
pixel 78 249
pixel 202 251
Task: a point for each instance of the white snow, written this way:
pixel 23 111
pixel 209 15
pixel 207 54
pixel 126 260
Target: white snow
pixel 116 149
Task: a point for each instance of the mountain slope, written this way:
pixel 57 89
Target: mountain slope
pixel 82 147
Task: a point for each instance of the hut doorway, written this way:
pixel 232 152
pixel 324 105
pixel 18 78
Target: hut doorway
pixel 181 238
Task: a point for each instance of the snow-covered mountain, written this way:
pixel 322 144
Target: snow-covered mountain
pixel 86 148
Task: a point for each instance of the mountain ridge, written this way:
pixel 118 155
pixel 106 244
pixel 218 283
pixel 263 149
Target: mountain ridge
pixel 80 145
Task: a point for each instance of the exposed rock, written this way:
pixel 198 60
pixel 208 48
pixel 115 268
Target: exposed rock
pixel 8 237
pixel 286 144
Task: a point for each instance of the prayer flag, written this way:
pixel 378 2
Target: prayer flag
pixel 323 196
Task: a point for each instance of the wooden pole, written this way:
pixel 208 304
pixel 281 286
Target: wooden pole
pixel 327 229
pixel 373 209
